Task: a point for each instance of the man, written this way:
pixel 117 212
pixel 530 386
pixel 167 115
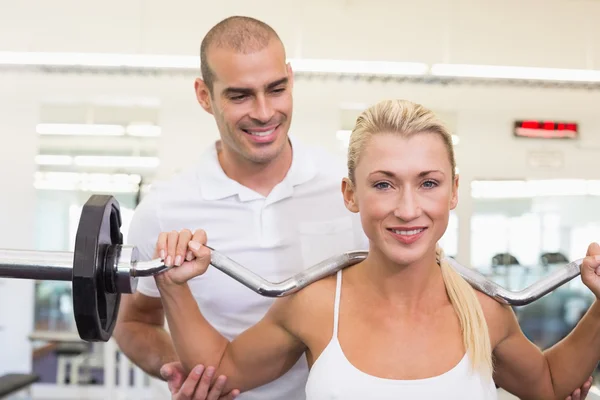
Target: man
pixel 264 199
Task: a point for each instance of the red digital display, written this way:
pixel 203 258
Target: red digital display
pixel 546 129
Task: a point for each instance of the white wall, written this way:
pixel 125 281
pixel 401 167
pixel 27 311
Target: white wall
pixel 551 33
pixel 17 150
pixel 548 33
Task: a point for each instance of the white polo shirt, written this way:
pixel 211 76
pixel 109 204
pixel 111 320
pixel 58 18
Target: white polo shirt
pixel 300 223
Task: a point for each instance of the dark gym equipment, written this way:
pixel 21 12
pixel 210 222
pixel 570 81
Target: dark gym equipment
pixel 101 268
pixel 553 258
pixel 13 383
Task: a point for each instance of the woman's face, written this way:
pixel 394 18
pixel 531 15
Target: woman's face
pixel 404 192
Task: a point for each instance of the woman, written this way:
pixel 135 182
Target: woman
pixel 402 323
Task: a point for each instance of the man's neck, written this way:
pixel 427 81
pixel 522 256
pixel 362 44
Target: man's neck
pixel 261 178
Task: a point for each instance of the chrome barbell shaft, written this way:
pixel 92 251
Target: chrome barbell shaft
pixel 58 266
pixel 37 265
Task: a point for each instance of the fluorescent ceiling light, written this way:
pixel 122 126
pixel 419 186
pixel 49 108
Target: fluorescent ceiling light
pixel 193 62
pixel 98 161
pixel 100 60
pixel 356 67
pixel 508 72
pixel 80 129
pixel 359 67
pixel 116 161
pixel 140 130
pixel 534 188
pixel 96 182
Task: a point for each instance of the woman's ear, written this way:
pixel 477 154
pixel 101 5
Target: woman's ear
pixel 349 193
pixel 454 198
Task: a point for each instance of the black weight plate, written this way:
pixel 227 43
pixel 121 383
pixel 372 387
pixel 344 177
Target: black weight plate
pixel 94 307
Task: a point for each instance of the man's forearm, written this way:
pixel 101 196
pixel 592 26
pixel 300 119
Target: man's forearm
pixel 573 359
pixel 147 346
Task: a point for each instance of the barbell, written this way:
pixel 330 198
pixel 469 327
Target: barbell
pixel 101 268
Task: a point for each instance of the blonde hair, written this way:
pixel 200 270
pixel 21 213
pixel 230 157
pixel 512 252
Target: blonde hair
pixel 406 118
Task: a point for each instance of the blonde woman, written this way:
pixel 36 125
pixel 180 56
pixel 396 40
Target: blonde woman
pixel 401 324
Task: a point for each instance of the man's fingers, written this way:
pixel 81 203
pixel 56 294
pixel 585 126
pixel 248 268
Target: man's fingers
pixel 231 395
pixel 585 389
pixel 189 386
pixel 204 385
pixel 217 389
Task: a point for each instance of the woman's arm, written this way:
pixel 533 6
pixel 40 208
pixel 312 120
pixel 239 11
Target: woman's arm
pixel 259 355
pixel 524 370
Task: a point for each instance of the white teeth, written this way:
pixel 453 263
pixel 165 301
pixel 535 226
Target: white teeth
pixel 408 233
pixel 265 133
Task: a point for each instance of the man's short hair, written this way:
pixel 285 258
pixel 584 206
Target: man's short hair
pixel 241 34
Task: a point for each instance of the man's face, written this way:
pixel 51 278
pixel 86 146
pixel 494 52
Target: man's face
pixel 251 100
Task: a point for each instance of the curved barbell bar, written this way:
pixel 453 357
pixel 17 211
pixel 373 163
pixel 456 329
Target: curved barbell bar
pixel 333 264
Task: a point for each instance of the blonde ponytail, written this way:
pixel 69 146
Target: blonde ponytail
pixel 474 328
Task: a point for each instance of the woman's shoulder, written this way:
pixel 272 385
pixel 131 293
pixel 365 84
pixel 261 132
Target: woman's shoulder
pixel 309 307
pixel 498 316
pixel 316 295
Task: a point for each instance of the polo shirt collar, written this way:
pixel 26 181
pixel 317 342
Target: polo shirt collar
pixel 216 185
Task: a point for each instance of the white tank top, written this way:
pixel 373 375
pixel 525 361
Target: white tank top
pixel 333 377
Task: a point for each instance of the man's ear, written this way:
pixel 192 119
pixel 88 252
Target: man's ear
pixel 290 73
pixel 203 95
pixel 349 193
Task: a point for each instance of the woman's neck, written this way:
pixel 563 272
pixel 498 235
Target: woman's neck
pixel 414 288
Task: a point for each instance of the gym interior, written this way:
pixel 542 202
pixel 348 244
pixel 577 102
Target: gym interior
pixel 99 99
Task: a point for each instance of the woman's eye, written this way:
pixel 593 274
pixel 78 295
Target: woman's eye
pixel 430 184
pixel 382 185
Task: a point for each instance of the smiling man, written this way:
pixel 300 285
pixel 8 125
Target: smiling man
pixel 265 200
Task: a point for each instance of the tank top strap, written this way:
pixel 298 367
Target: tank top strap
pixel 336 307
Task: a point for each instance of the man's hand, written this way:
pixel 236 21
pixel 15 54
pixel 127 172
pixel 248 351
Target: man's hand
pixel 582 392
pixel 197 384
